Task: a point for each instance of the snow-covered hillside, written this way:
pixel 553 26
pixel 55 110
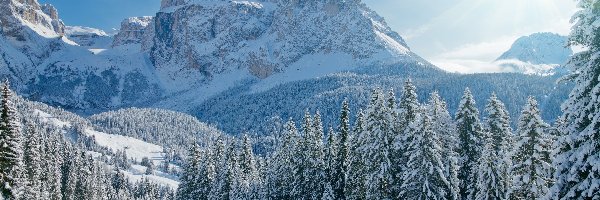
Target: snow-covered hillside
pixel 135 149
pixel 89 37
pixel 539 53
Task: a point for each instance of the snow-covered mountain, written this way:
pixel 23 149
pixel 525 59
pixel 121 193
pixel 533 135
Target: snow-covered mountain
pixel 194 55
pixel 196 41
pixel 189 51
pixel 89 37
pixel 539 53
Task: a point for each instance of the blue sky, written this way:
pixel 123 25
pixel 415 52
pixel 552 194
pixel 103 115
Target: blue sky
pixel 457 35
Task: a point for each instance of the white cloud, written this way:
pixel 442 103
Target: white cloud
pixel 475 58
pixel 468 66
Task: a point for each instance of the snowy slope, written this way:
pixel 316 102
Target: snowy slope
pixel 136 150
pixel 539 54
pixel 88 37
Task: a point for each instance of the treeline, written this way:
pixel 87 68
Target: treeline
pixel 41 161
pixel 395 149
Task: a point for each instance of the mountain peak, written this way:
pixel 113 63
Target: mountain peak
pixel 17 14
pixel 539 53
pixel 540 48
pixel 204 38
pixel 132 30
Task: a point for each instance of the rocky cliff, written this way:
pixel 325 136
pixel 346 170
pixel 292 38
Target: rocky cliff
pixel 133 31
pixel 200 39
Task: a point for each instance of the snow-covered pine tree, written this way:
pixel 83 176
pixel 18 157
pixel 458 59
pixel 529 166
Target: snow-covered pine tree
pixel 282 169
pixel 314 165
pixel 331 152
pixel 33 162
pixel 223 182
pixel 356 169
pixel 443 125
pixel 342 157
pixel 71 172
pixel 11 152
pixel 409 105
pixel 577 159
pixel 470 134
pixel 406 113
pixel 423 177
pixel 497 126
pixel 489 183
pixel 249 177
pixel 532 169
pixel 300 159
pixel 376 148
pixel 53 160
pixel 188 177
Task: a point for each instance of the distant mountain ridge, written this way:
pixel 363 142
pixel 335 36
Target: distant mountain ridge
pixel 539 53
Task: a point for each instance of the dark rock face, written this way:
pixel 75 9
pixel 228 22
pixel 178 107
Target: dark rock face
pixel 210 37
pixel 133 30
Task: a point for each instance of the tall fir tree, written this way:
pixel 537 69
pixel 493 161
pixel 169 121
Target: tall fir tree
pixel 194 181
pixel 313 170
pixel 497 126
pixel 409 105
pixel 11 153
pixel 283 168
pixel 406 113
pixel 248 170
pixel 223 182
pixel 489 181
pixel 376 148
pixel 342 158
pixel 443 125
pixel 470 134
pixel 355 176
pixel 577 172
pixel 532 169
pixel 424 177
pixel 33 162
pixel 331 152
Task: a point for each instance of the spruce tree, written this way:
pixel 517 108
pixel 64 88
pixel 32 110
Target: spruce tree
pixel 248 171
pixel 532 169
pixel 313 170
pixel 33 162
pixel 497 126
pixel 405 114
pixel 53 160
pixel 376 148
pixel 489 180
pixel 408 106
pixel 342 157
pixel 192 183
pixel 331 152
pixel 11 153
pixel 577 172
pixel 355 176
pixel 283 168
pixel 424 177
pixel 223 182
pixel 443 125
pixel 470 134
